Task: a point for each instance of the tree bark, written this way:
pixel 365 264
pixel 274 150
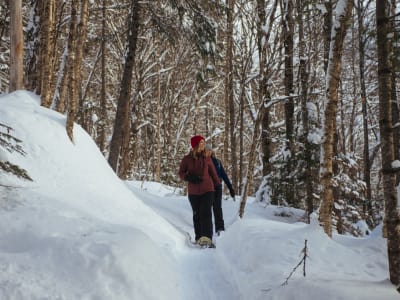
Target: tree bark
pixel 229 96
pixel 47 24
pixel 252 157
pixel 122 118
pixel 81 39
pixel 327 31
pixel 308 178
pixel 263 93
pixel 395 103
pixel 333 76
pixel 33 43
pixel 17 46
pixel 392 214
pixel 101 132
pixel 158 149
pixel 72 70
pixel 366 160
pixel 288 31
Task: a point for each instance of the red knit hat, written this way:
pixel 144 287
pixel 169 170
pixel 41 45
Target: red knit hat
pixel 195 140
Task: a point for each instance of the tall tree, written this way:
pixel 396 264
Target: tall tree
pixel 361 65
pixel 229 94
pixel 122 118
pixel 303 99
pixel 394 76
pixel 17 46
pixel 81 39
pixel 288 32
pixel 339 28
pixel 250 170
pixel 264 94
pixel 392 210
pixel 101 135
pixel 47 24
pixel 72 69
pixel 32 45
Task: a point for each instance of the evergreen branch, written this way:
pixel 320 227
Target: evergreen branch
pixel 10 142
pixel 14 169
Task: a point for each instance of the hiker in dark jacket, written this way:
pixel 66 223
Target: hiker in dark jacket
pixel 199 171
pixel 217 204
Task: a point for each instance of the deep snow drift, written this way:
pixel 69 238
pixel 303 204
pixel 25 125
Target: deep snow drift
pixel 78 232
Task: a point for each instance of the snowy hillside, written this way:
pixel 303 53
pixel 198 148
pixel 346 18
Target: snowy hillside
pixel 78 232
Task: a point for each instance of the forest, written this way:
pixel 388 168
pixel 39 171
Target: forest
pixel 299 98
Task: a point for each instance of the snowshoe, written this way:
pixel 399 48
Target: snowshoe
pixel 205 242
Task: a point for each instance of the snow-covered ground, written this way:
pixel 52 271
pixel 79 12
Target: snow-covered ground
pixel 78 232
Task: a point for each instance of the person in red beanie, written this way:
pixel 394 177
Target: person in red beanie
pixel 201 176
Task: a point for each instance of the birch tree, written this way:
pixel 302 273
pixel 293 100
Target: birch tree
pixel 339 27
pixel 46 59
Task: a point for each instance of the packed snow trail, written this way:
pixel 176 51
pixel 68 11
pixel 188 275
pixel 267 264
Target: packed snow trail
pixel 202 270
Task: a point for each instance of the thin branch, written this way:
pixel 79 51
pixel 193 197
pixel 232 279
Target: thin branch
pixel 303 260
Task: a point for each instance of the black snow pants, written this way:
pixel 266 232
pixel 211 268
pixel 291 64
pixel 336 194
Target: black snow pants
pixel 202 215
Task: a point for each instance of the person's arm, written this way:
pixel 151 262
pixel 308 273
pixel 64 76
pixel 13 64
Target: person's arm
pixel 225 178
pixel 185 175
pixel 183 169
pixel 213 173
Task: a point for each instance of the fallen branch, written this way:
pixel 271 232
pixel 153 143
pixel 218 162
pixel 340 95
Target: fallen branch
pixel 303 260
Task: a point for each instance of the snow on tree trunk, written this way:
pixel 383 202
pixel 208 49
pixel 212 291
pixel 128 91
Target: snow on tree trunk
pixel 339 27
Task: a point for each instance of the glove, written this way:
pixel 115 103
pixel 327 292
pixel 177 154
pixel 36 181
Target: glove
pixel 193 178
pixel 232 192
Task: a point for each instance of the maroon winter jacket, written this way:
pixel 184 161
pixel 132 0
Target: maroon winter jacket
pixel 202 166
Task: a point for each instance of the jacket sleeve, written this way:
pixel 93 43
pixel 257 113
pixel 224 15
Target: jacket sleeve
pixel 213 173
pixel 225 177
pixel 183 169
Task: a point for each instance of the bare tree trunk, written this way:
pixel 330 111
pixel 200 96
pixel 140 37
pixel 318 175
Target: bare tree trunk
pixel 33 44
pixel 263 94
pixel 101 132
pixel 47 24
pixel 250 170
pixel 361 49
pixel 327 31
pixel 60 97
pixel 17 46
pixel 333 76
pixel 241 141
pixel 229 95
pixel 288 31
pixel 158 150
pixel 81 30
pixel 392 214
pixel 395 103
pixel 303 98
pixel 72 70
pixel 122 118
